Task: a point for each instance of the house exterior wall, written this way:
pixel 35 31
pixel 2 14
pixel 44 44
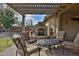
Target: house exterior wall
pixel 51 23
pixel 71 27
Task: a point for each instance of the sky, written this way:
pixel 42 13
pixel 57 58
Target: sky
pixel 35 18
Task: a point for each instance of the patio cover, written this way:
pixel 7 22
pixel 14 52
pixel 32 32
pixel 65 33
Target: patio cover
pixel 34 8
pixel 37 8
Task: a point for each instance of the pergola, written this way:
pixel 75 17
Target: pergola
pixel 36 8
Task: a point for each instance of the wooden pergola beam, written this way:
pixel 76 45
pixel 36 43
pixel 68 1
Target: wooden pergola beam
pixel 32 8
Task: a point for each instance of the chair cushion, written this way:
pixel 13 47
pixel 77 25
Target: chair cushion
pixel 76 41
pixel 32 48
pixel 61 35
pixel 69 45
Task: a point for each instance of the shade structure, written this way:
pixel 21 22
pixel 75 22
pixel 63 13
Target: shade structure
pixel 34 8
pixel 37 8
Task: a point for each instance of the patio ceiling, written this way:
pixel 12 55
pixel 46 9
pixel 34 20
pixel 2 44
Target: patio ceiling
pixel 34 8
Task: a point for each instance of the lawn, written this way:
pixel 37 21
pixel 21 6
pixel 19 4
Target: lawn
pixel 5 42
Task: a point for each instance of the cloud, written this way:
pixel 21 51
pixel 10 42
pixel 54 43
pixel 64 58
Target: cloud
pixel 28 18
pixel 35 18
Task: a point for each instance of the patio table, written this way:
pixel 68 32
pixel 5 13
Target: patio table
pixel 46 43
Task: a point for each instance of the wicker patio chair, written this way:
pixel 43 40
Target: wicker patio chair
pixel 72 45
pixel 26 37
pixel 61 35
pixel 22 48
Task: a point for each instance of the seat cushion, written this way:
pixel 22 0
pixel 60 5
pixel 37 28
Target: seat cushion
pixel 76 41
pixel 61 35
pixel 69 45
pixel 32 48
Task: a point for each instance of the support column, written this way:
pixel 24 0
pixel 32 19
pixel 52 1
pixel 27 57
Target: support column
pixel 57 24
pixel 47 24
pixel 23 22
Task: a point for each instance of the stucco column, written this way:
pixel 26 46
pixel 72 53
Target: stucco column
pixel 47 24
pixel 57 24
pixel 23 22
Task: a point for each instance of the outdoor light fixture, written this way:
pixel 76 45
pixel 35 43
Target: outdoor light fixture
pixel 75 18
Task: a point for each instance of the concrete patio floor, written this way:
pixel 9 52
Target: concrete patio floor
pixel 56 52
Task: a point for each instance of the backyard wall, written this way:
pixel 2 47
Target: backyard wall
pixel 70 26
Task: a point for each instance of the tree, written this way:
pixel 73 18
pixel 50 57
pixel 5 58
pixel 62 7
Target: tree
pixel 7 18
